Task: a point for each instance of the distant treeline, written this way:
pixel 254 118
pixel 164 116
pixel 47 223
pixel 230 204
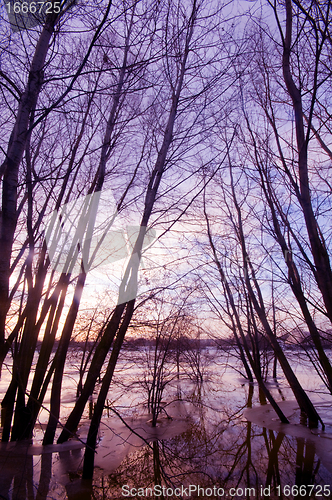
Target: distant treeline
pixel 292 340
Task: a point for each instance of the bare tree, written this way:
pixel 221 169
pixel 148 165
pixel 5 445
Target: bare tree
pixel 172 138
pixel 289 175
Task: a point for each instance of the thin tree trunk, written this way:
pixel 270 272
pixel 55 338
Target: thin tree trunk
pixel 317 243
pixel 255 369
pixel 61 359
pixel 99 406
pixel 295 283
pixel 34 401
pixel 10 167
pixel 111 329
pixel 302 398
pixel 23 359
pixel 98 359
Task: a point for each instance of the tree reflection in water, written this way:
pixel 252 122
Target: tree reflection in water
pixel 218 448
pixel 230 453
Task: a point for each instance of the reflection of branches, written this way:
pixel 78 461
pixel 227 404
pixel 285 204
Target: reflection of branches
pixel 159 470
pixel 218 451
pixel 128 427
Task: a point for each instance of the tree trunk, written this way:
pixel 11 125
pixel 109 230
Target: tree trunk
pixel 129 282
pixel 61 359
pixel 317 243
pixel 255 368
pixel 10 167
pixel 295 283
pixel 34 401
pixel 302 398
pixel 98 359
pixel 99 406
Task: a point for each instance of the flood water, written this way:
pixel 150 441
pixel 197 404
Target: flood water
pixel 214 439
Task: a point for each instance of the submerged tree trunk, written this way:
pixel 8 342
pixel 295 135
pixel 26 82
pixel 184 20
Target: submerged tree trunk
pixel 22 361
pixel 93 373
pixel 302 398
pixel 254 367
pixel 10 171
pixel 61 355
pixel 100 404
pixel 35 401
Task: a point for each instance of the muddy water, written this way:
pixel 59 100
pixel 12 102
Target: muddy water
pixel 216 436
